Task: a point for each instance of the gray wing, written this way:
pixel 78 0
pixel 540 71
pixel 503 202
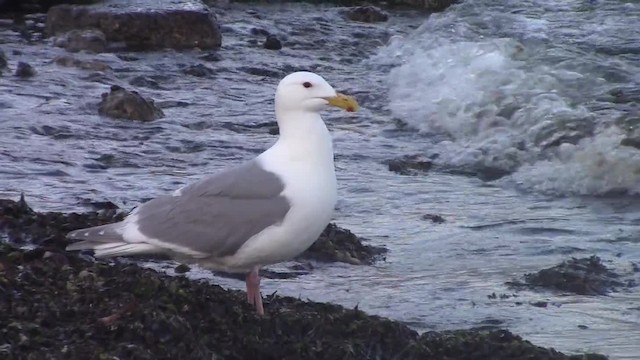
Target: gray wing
pixel 214 216
pixel 218 214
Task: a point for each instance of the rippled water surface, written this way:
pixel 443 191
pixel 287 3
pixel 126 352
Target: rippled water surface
pixel 521 86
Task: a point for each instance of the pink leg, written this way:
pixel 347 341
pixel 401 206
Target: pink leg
pixel 253 290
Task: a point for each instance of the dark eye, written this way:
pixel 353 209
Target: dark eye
pixel 306 84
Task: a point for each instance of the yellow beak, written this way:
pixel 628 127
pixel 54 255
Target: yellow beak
pixel 343 101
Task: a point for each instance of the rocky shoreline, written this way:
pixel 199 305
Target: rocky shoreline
pixel 62 306
pixel 66 305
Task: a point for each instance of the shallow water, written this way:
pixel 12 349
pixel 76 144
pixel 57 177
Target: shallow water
pixel 437 276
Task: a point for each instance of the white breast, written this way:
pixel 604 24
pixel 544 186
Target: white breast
pixel 310 187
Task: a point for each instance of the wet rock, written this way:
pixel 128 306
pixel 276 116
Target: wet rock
pixel 273 73
pixel 22 225
pixel 198 70
pixel 270 126
pixel 625 95
pixel 87 39
pixel 632 142
pixel 123 104
pixel 140 24
pixel 3 60
pixel 212 57
pixel 182 268
pixel 434 218
pixel 338 244
pixel 431 5
pixel 272 43
pixel 145 81
pixel 70 61
pixel 481 171
pixel 24 70
pixel 562 129
pixel 540 304
pixel 123 311
pixel 368 14
pixel 259 32
pixel 584 276
pixel 409 165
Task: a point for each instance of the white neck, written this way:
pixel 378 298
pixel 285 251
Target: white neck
pixel 304 136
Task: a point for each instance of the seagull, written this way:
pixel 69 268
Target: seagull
pixel 261 212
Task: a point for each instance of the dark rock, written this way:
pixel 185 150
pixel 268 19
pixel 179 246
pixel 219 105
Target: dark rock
pixel 145 81
pixel 141 24
pixel 431 5
pixel 100 205
pixel 273 73
pixel 3 60
pixel 86 39
pixel 123 104
pixel 337 244
pixel 123 311
pixel 166 104
pixel 212 57
pixel 21 224
pixel 24 70
pixel 182 268
pixel 272 43
pixel 198 70
pixel 70 61
pixel 368 14
pixel 409 165
pixel 625 95
pixel 259 32
pixel 540 304
pixel 481 171
pixel 240 128
pixel 632 142
pixel 127 57
pixel 585 276
pixel 435 218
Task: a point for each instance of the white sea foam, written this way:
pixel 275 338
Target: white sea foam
pixel 506 90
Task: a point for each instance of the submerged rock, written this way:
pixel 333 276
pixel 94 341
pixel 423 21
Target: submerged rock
pixel 198 70
pixel 124 104
pixel 368 14
pixel 338 244
pixel 86 39
pixel 24 70
pixel 434 218
pixel 409 165
pixel 70 61
pixel 142 24
pixel 584 276
pixel 57 305
pixel 431 5
pixel 272 43
pixel 3 60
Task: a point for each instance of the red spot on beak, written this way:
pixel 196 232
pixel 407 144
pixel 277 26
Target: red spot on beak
pixel 350 109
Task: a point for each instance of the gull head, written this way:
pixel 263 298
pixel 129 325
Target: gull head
pixel 308 92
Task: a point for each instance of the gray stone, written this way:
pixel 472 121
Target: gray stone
pixel 24 70
pixel 142 24
pixel 70 61
pixel 3 60
pixel 431 5
pixel 272 43
pixel 368 14
pixel 123 104
pixel 84 39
